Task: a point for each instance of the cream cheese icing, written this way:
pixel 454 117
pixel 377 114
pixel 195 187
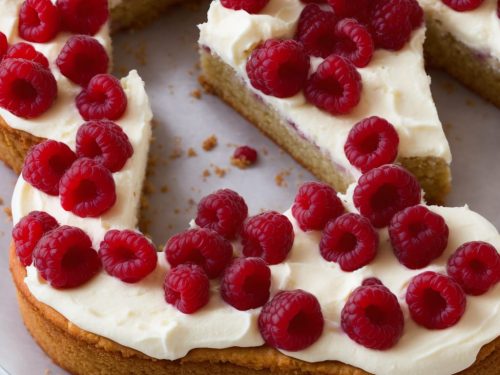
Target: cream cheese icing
pixel 395 85
pixel 137 315
pixel 479 29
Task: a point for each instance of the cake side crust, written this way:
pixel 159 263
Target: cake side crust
pixel 221 79
pixel 443 51
pixel 82 352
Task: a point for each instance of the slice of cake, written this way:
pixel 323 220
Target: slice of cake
pixel 392 84
pixel 339 286
pixel 464 39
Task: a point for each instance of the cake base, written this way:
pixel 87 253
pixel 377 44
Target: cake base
pixel 82 352
pixel 222 80
pixel 443 51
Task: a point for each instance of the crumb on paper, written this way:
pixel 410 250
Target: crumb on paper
pixel 191 152
pixel 1 201
pixel 210 143
pixel 177 211
pixel 196 94
pixel 149 188
pixel 241 163
pixel 206 173
pixel 177 150
pixel 280 178
pixel 265 151
pixel 220 172
pixel 164 189
pixel 8 212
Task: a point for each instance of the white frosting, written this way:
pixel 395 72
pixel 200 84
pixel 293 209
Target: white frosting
pixel 395 85
pixel 479 29
pixel 137 315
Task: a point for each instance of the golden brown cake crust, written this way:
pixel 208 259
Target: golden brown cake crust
pixel 82 352
pixel 220 79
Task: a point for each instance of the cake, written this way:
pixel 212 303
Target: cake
pixel 337 284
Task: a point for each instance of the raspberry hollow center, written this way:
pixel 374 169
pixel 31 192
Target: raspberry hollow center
pixel 86 191
pixel 73 259
pixel 385 197
pixel 254 283
pixel 300 324
pixel 24 90
pixel 478 267
pixel 348 242
pixel 434 301
pixel 370 144
pixel 376 315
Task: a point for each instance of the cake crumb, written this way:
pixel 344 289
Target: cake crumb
pixel 220 172
pixel 210 143
pixel 240 163
pixel 177 211
pixel 8 212
pixel 265 151
pixel 164 189
pixel 1 201
pixel 177 150
pixel 206 173
pixel 280 178
pixel 191 152
pixel 196 94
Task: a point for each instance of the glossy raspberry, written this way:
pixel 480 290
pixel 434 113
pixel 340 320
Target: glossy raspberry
pixel 372 142
pixel 418 236
pixel 417 14
pixel 187 288
pixel 245 284
pixel 105 142
pixel 223 212
pixel 278 68
pixel 371 281
pixel 291 321
pixel 127 255
pixel 315 31
pixel 82 58
pixel 372 317
pixel 103 98
pixel 245 155
pixel 27 89
pixel 351 241
pixel 251 6
pixel 268 236
pixel 87 189
pixel 335 86
pixel 29 231
pixel 65 258
pixel 384 191
pixel 463 5
pixel 391 23
pixel 354 42
pixel 26 51
pixel 435 301
pixel 4 45
pixel 315 204
pixel 357 9
pixel 39 21
pixel 203 247
pixel 45 165
pixel 475 266
pixel 83 16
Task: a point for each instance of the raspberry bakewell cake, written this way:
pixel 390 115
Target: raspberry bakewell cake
pixel 246 60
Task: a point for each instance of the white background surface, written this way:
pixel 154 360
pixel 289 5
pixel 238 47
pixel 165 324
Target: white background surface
pixel 165 55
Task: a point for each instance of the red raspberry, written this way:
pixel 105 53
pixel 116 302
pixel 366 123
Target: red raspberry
pixel 245 283
pixel 45 165
pixel 65 258
pixel 39 21
pixel 223 212
pixel 245 156
pixel 187 288
pixel 27 89
pixel 372 317
pixel 203 247
pixel 82 58
pixel 127 255
pixel 26 51
pixel 278 68
pixel 103 98
pixel 349 241
pixel 475 266
pixel 87 189
pixel 315 204
pixel 463 5
pixel 251 6
pixel 372 142
pixel 291 321
pixel 371 281
pixel 435 301
pixel 268 236
pixel 335 86
pixel 105 142
pixel 357 9
pixel 83 16
pixel 29 231
pixel 384 191
pixel 4 45
pixel 391 23
pixel 418 236
pixel 354 42
pixel 315 31
pixel 417 14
